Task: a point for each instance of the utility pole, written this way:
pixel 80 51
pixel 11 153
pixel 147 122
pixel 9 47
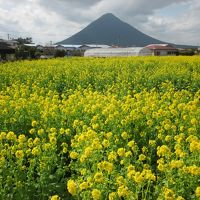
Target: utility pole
pixel 119 40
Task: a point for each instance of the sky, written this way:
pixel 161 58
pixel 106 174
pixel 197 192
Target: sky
pixel 46 21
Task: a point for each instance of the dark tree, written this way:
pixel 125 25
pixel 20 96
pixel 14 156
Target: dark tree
pixel 60 53
pixel 27 40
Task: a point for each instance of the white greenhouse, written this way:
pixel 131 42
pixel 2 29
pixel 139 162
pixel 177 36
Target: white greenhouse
pixel 118 52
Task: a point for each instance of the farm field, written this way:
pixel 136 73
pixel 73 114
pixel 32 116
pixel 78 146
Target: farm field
pixel 95 128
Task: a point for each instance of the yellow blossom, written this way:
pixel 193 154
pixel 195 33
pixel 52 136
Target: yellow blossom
pixel 176 164
pixel 195 146
pixel 123 191
pixel 169 194
pixel 180 198
pixel 21 138
pixel 71 187
pixel 128 154
pixel 197 192
pixel 96 194
pixel 19 154
pixel 131 143
pixel 73 155
pixel 108 135
pixel 107 166
pixel 35 151
pixel 152 142
pixel 32 131
pixel 121 152
pixel 98 177
pixel 11 136
pixel 163 150
pixel 124 135
pixel 120 180
pixel 40 132
pixel 112 196
pixel 142 157
pixel 106 143
pixel 55 197
pixel 112 156
pixel 194 121
pixel 84 186
pixel 34 123
pixel 167 127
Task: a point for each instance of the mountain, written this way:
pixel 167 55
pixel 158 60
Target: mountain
pixel 110 30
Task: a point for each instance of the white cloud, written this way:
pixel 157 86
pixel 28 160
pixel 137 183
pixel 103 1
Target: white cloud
pixel 55 20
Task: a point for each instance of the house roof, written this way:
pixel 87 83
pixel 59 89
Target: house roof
pixel 96 45
pixel 31 45
pixel 112 52
pixel 161 47
pixel 5 46
pixel 68 45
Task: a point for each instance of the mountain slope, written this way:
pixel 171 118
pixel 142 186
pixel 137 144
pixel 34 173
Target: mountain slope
pixel 110 30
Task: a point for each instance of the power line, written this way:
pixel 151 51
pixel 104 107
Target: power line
pixel 34 33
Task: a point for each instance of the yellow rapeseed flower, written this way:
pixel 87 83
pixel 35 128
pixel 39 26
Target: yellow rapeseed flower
pixel 11 136
pixel 21 138
pixel 124 135
pixel 195 146
pixel 35 151
pixel 19 154
pixel 123 191
pixel 41 131
pixel 84 185
pixel 88 151
pixel 197 192
pixel 106 143
pixel 32 131
pixel 71 187
pixel 169 194
pixel 142 157
pixel 180 198
pixel 131 143
pixel 112 156
pixel 73 155
pixel 108 135
pixel 112 196
pixel 163 150
pixel 34 123
pixel 121 152
pixel 55 197
pixel 176 164
pixel 96 194
pixel 98 177
pixel 194 121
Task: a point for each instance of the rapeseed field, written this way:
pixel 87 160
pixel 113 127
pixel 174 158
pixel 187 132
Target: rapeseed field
pixel 95 128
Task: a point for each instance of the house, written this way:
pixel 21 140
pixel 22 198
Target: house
pixel 92 46
pixel 67 47
pixel 7 49
pixel 118 52
pixel 12 43
pixel 162 49
pixel 39 47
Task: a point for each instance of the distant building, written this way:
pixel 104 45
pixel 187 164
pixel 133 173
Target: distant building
pixel 67 47
pixel 162 49
pixel 92 46
pixel 71 47
pixel 118 52
pixel 7 49
pixel 40 47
